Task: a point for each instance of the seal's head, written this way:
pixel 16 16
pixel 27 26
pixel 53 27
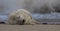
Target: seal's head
pixel 20 20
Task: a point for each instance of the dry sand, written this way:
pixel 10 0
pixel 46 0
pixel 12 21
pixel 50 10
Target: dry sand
pixel 4 27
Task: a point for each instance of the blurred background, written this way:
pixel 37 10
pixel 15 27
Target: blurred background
pixel 44 11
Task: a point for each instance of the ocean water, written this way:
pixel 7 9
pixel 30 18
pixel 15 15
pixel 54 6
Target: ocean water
pixel 52 17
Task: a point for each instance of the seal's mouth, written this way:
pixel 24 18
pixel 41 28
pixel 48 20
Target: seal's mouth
pixel 21 22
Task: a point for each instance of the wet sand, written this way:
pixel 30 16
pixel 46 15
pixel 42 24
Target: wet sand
pixel 4 27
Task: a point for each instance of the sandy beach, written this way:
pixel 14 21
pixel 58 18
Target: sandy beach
pixel 4 27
